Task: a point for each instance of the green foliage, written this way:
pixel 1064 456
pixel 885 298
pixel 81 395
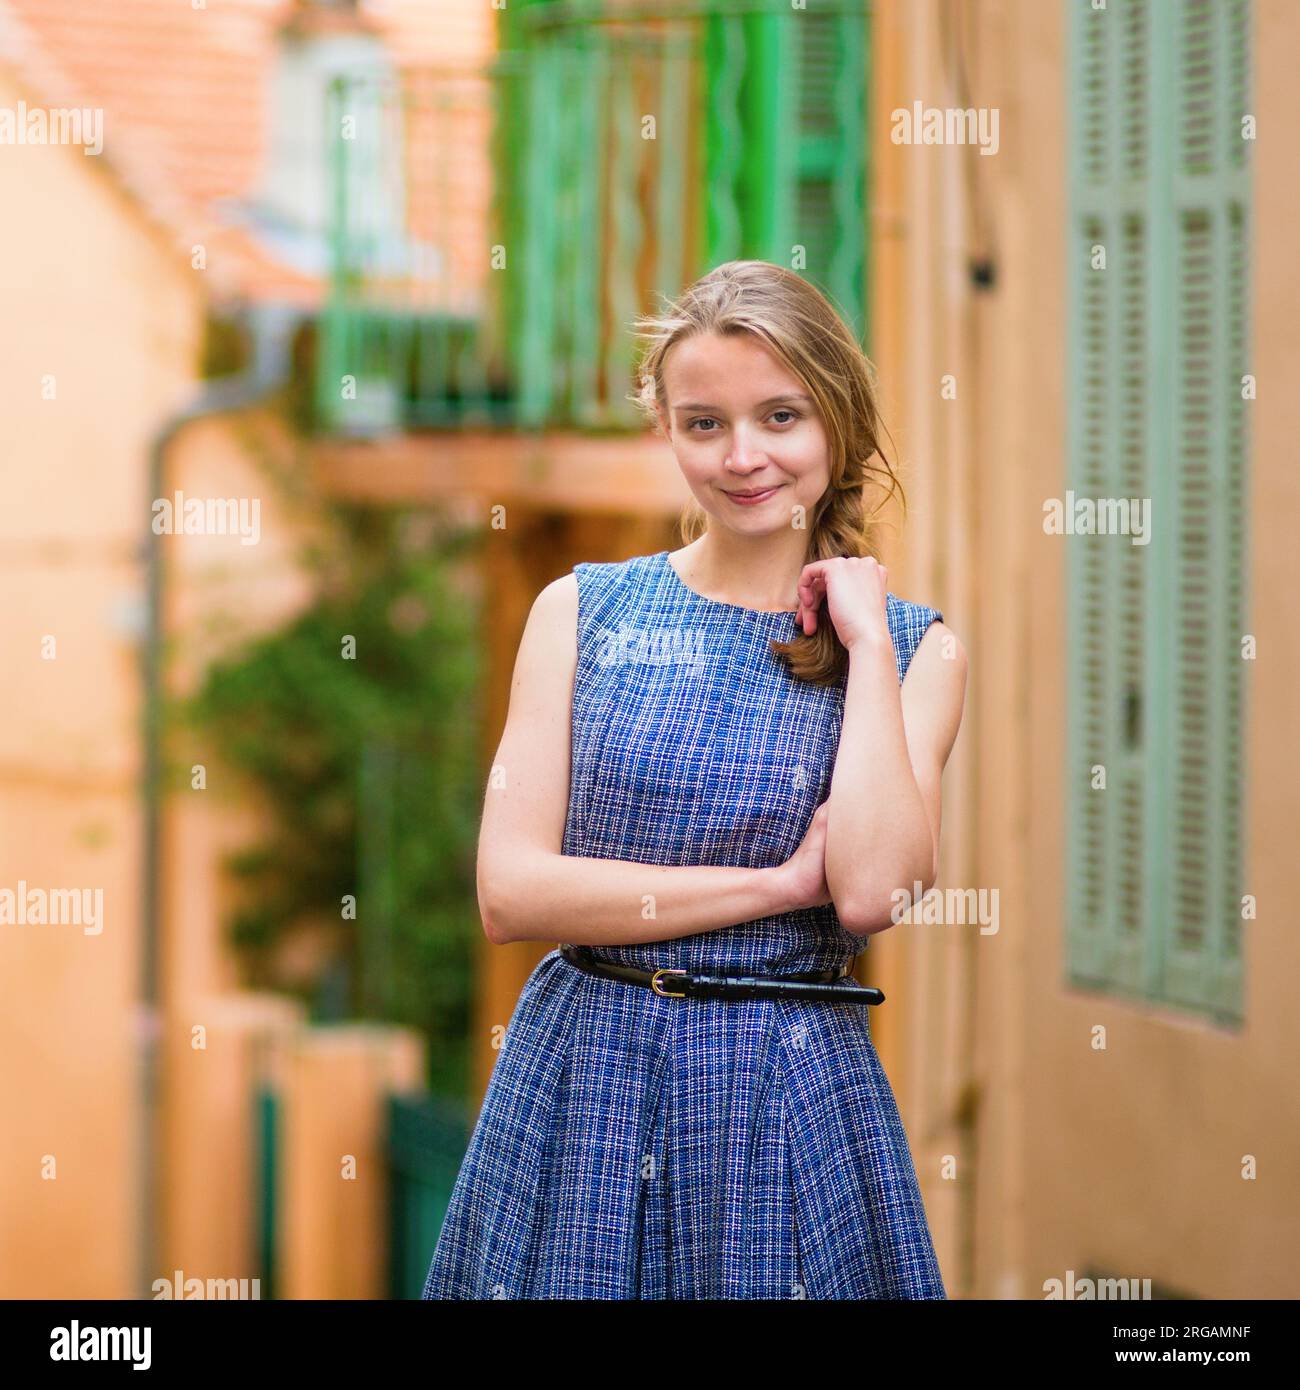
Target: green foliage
pixel 368 765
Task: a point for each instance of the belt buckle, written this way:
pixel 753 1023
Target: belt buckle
pixel 661 992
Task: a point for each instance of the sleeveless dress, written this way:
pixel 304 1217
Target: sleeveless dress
pixel 636 1147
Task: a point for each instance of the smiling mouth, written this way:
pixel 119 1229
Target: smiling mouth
pixel 755 492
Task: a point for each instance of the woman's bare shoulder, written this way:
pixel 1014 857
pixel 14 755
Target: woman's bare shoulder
pixel 555 609
pixel 548 649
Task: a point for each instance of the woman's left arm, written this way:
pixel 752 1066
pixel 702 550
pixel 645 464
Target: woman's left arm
pixel 884 812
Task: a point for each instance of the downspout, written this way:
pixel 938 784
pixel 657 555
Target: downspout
pixel 270 329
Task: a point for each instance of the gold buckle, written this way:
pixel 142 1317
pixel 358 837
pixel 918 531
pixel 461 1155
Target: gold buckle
pixel 664 993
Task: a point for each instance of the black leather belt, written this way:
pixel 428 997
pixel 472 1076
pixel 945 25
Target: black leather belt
pixel 821 986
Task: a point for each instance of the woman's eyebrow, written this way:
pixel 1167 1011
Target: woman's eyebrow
pixel 771 400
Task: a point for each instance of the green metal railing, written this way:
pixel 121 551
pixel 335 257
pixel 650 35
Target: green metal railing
pixel 427 1139
pixel 266 1135
pixel 494 233
pixel 427 1136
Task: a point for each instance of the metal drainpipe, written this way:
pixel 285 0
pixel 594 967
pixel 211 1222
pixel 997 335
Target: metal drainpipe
pixel 271 328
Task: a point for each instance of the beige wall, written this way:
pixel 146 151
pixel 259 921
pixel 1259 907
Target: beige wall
pixel 922 1033
pixel 95 299
pixel 1128 1159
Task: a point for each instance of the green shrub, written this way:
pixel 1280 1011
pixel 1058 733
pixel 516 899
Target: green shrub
pixel 369 767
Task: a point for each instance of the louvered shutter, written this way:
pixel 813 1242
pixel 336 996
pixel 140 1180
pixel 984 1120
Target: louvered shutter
pixel 1157 348
pixel 787 154
pixel 1201 942
pixel 830 175
pixel 1111 326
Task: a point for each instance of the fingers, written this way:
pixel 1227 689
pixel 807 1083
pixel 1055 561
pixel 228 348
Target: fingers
pixel 812 585
pixel 812 589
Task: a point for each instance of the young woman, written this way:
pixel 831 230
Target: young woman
pixel 720 767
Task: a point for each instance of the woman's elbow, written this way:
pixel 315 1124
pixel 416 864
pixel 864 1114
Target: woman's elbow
pixel 868 914
pixel 862 920
pixel 494 933
pixel 510 895
pixel 494 905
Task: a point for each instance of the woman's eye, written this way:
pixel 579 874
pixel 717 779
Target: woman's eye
pixel 709 420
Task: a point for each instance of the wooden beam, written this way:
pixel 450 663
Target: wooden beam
pixel 628 474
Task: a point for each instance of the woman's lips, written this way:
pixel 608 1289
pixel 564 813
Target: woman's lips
pixel 753 501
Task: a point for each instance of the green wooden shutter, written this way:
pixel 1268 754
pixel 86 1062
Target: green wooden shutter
pixel 786 156
pixel 1111 326
pixel 1157 345
pixel 1201 955
pixel 830 215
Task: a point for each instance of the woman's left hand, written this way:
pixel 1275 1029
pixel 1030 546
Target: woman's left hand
pixel 853 588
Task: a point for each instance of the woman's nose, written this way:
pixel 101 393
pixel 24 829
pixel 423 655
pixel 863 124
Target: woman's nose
pixel 746 449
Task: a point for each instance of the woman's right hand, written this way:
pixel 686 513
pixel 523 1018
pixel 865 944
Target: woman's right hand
pixel 803 875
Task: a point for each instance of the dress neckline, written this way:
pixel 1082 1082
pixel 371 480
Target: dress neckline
pixel 662 557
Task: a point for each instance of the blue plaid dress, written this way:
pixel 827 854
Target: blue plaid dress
pixel 631 1146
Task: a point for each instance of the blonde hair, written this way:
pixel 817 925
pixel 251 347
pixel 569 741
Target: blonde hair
pixel 802 330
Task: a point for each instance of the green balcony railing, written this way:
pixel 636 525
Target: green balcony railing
pixel 427 1139
pixel 495 232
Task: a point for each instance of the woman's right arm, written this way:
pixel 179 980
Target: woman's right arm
pixel 528 890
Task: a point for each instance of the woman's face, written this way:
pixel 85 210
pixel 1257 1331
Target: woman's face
pixel 739 422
